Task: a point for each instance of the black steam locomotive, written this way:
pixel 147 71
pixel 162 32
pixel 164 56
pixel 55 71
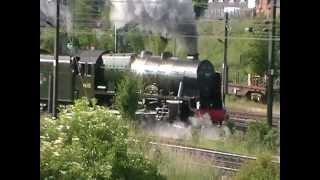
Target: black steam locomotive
pixel 173 87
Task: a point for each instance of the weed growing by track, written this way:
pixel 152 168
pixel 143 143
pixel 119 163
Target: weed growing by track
pixel 262 169
pixel 258 139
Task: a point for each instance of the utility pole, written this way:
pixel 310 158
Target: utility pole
pixel 270 72
pixel 115 38
pixel 225 65
pixel 56 63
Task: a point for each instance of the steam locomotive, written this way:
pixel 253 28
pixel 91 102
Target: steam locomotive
pixel 173 88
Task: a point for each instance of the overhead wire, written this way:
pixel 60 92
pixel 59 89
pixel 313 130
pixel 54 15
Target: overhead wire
pixel 85 21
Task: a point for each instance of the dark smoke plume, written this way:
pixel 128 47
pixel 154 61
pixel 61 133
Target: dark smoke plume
pixel 170 18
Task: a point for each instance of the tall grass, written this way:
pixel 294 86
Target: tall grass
pixel 258 139
pixel 181 166
pixel 262 169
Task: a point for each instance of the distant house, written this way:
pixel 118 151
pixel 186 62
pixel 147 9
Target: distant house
pixel 239 8
pixel 264 7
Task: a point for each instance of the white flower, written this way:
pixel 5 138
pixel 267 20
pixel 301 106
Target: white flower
pixel 60 127
pixel 58 141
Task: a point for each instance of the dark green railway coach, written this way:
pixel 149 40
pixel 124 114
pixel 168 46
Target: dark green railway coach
pixel 65 92
pixel 71 84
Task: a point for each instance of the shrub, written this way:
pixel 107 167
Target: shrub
pixel 260 134
pixel 262 169
pixel 88 142
pixel 127 97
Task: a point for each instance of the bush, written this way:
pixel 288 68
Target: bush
pixel 262 169
pixel 260 134
pixel 88 142
pixel 127 95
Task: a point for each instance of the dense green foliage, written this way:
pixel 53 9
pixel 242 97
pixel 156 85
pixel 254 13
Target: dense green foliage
pixel 130 39
pixel 47 40
pixel 88 142
pixel 86 12
pixel 262 169
pixel 127 95
pixel 255 58
pixel 260 134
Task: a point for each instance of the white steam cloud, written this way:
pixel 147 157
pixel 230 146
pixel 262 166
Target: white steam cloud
pixel 179 130
pixel 170 18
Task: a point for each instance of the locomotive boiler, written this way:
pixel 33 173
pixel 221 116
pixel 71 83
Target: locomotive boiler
pixel 174 88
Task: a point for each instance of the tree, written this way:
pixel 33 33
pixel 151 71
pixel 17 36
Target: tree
pixel 255 59
pixel 130 39
pixel 199 6
pixel 155 44
pixel 47 40
pixel 85 13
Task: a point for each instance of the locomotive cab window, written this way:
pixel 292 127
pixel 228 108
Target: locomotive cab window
pixel 82 69
pixel 89 70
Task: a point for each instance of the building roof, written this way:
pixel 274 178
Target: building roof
pixel 91 56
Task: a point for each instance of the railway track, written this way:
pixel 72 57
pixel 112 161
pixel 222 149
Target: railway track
pixel 242 119
pixel 251 115
pixel 227 162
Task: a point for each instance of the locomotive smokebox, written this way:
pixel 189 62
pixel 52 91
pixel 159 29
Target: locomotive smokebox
pixel 194 57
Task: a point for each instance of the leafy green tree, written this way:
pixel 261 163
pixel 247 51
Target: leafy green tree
pixel 85 12
pixel 130 39
pixel 47 40
pixel 106 40
pixel 255 59
pixel 127 95
pixel 155 44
